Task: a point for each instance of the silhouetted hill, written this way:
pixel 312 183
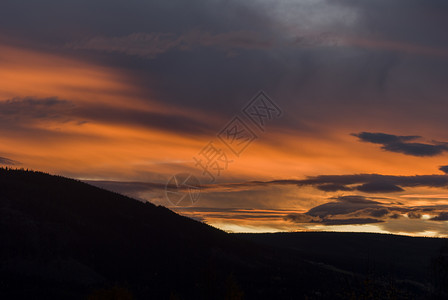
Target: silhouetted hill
pixel 64 239
pixel 402 257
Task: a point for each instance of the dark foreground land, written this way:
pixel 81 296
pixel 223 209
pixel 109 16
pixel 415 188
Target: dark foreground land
pixel 64 239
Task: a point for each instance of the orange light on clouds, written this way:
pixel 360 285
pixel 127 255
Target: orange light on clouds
pixel 70 144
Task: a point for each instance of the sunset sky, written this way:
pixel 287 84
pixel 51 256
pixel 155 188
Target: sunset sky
pixel 126 94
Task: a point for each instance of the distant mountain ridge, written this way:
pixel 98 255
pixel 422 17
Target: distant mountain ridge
pixel 408 258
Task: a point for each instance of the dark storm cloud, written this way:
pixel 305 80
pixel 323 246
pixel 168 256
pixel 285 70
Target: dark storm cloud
pixel 401 144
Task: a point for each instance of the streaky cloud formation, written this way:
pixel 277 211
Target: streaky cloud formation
pixel 401 144
pixel 368 183
pixel 379 187
pixel 345 210
pixel 375 183
pixel 8 162
pixel 128 104
pixel 356 209
pixel 22 111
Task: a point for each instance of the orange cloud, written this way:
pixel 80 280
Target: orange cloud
pixel 78 138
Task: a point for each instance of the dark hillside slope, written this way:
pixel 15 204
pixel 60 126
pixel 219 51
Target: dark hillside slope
pixel 371 254
pixel 53 226
pixel 64 239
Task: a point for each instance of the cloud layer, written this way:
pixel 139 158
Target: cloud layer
pixel 128 92
pixel 403 144
pixel 8 162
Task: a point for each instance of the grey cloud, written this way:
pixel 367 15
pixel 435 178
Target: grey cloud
pixel 8 162
pixel 414 215
pixel 174 122
pixel 395 216
pixel 346 210
pixel 405 25
pixel 401 144
pixel 333 187
pixel 343 210
pixel 343 206
pixel 369 183
pixel 355 199
pixel 379 187
pixel 378 212
pixel 302 218
pixel 100 17
pixel 444 169
pixel 383 138
pixel 443 216
pixel 351 221
pixel 126 187
pixel 312 67
pixel 140 44
pixel 152 44
pixel 24 110
pixel 416 149
pixel 357 209
pixel 373 183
